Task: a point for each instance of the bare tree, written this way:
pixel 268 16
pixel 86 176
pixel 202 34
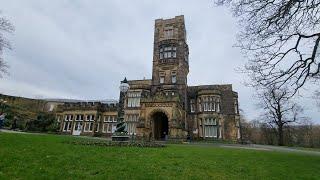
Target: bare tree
pixel 279 110
pixel 280 38
pixel 317 98
pixel 5 27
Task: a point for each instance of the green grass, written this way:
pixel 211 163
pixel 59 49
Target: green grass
pixel 25 156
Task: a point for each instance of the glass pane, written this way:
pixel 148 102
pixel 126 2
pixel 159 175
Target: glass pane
pixel 161 79
pixel 91 126
pixel 215 131
pixel 109 128
pixel 174 79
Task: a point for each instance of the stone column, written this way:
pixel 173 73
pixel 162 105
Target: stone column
pixel 73 123
pixel 203 132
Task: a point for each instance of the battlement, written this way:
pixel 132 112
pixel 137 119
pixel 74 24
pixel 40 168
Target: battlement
pixel 170 20
pixel 70 106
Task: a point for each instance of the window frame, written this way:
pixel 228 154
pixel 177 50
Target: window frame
pixel 133 99
pixel 167 51
pixel 168 32
pixel 162 79
pixel 236 106
pixel 173 77
pixel 211 128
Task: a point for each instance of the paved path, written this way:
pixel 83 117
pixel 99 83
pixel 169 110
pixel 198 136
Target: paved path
pixel 259 147
pixel 18 132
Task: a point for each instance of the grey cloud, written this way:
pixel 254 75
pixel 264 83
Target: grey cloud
pixel 82 49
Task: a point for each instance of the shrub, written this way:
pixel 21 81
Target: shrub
pixel 118 144
pixel 44 122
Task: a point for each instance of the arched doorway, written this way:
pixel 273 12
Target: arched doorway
pixel 160 125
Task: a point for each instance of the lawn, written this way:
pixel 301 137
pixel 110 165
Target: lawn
pixel 28 156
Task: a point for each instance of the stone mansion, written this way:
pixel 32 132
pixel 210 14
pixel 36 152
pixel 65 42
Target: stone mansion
pixel 163 106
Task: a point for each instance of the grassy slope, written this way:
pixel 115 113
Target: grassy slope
pixel 47 156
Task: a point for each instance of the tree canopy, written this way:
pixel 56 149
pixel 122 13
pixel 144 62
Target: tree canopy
pixel 5 27
pixel 280 38
pixel 279 110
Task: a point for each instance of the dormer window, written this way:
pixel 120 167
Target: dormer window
pixel 168 51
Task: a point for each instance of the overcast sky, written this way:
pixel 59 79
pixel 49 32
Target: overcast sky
pixel 82 49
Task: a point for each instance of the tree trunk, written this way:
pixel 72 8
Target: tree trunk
pixel 280 135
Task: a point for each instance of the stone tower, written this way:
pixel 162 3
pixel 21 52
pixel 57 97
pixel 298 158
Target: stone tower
pixel 170 57
pixel 163 107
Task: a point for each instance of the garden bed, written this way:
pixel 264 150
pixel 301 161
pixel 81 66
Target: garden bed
pixel 117 143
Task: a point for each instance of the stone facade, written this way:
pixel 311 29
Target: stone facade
pixel 163 107
pixel 166 107
pixel 91 118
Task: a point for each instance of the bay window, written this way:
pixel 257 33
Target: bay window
pixel 210 127
pixel 210 104
pixel 134 99
pixel 168 51
pixel 218 105
pixel 131 121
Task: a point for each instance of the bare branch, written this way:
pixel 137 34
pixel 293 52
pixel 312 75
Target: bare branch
pixel 281 40
pixel 279 109
pixel 5 27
